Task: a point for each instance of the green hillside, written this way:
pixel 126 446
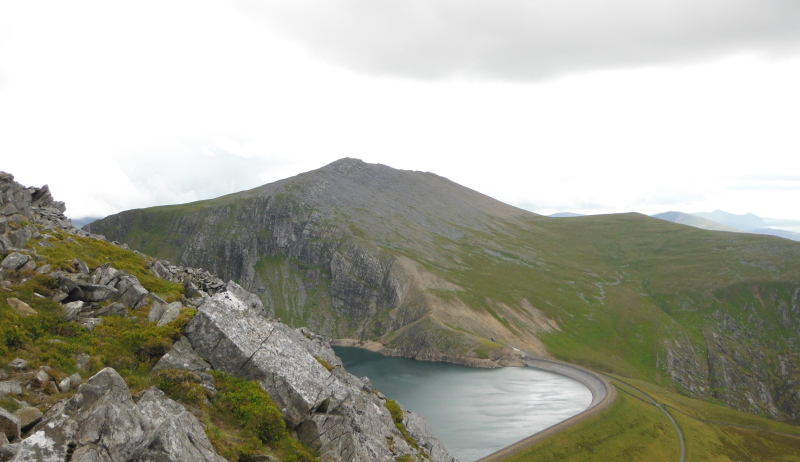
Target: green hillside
pixel 433 270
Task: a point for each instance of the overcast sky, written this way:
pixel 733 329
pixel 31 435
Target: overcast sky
pixel 589 106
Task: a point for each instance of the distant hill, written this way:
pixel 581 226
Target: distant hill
pixel 746 222
pixel 698 222
pixel 81 222
pixel 566 215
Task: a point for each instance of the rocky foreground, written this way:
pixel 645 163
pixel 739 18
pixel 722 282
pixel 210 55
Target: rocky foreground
pixel 336 413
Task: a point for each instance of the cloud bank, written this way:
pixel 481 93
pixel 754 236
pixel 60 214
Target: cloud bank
pixel 520 40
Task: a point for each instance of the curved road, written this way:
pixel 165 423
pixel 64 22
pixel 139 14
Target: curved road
pixel 650 400
pixel 603 394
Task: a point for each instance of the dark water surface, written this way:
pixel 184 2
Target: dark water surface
pixel 475 412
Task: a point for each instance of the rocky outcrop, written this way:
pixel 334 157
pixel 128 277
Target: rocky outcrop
pixel 102 422
pixel 323 405
pixel 35 206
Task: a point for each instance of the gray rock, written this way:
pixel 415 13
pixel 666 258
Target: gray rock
pixel 28 417
pixel 5 243
pixel 97 292
pixel 171 312
pixel 131 291
pixel 18 364
pixel 72 309
pixel 10 387
pixel 22 308
pixel 3 439
pixel 114 309
pixel 91 323
pixel 20 237
pixel 82 267
pixel 103 275
pixel 9 424
pixel 8 451
pixel 182 356
pixel 104 424
pixel 161 271
pixel 251 300
pixel 176 436
pixel 65 385
pixel 14 261
pixel 418 428
pixel 75 379
pixel 44 269
pixel 329 410
pixel 155 313
pixel 101 412
pixel 41 377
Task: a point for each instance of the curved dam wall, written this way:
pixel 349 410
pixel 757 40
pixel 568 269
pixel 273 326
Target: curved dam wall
pixel 603 394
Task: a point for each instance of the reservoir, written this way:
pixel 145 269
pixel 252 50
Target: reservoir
pixel 474 412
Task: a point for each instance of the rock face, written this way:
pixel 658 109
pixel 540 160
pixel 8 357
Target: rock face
pixel 319 250
pixel 329 409
pixel 101 422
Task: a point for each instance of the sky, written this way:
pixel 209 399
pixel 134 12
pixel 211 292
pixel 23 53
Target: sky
pixel 586 106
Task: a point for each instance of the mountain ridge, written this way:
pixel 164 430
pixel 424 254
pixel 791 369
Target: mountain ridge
pixel 403 258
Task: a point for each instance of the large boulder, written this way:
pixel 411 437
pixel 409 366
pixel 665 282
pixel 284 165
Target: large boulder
pixel 14 261
pixel 9 424
pixel 171 312
pixel 173 433
pixel 23 309
pixel 131 291
pixel 331 410
pixel 182 356
pixel 28 417
pixel 97 292
pixel 10 387
pixel 101 422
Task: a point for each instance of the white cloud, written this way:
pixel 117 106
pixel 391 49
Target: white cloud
pixel 130 105
pixel 522 39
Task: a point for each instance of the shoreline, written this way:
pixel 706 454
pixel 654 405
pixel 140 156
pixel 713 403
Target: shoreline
pixel 378 347
pixel 603 392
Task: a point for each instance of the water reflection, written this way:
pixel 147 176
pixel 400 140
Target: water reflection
pixel 474 411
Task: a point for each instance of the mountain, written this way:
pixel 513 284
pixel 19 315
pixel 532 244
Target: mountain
pixel 745 222
pixel 428 269
pixel 566 215
pixel 724 221
pixel 695 221
pixel 81 222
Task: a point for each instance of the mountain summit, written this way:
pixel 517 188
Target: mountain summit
pixel 418 266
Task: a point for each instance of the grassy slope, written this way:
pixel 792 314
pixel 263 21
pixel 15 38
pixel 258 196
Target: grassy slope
pixel 240 420
pixel 616 285
pixel 632 430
